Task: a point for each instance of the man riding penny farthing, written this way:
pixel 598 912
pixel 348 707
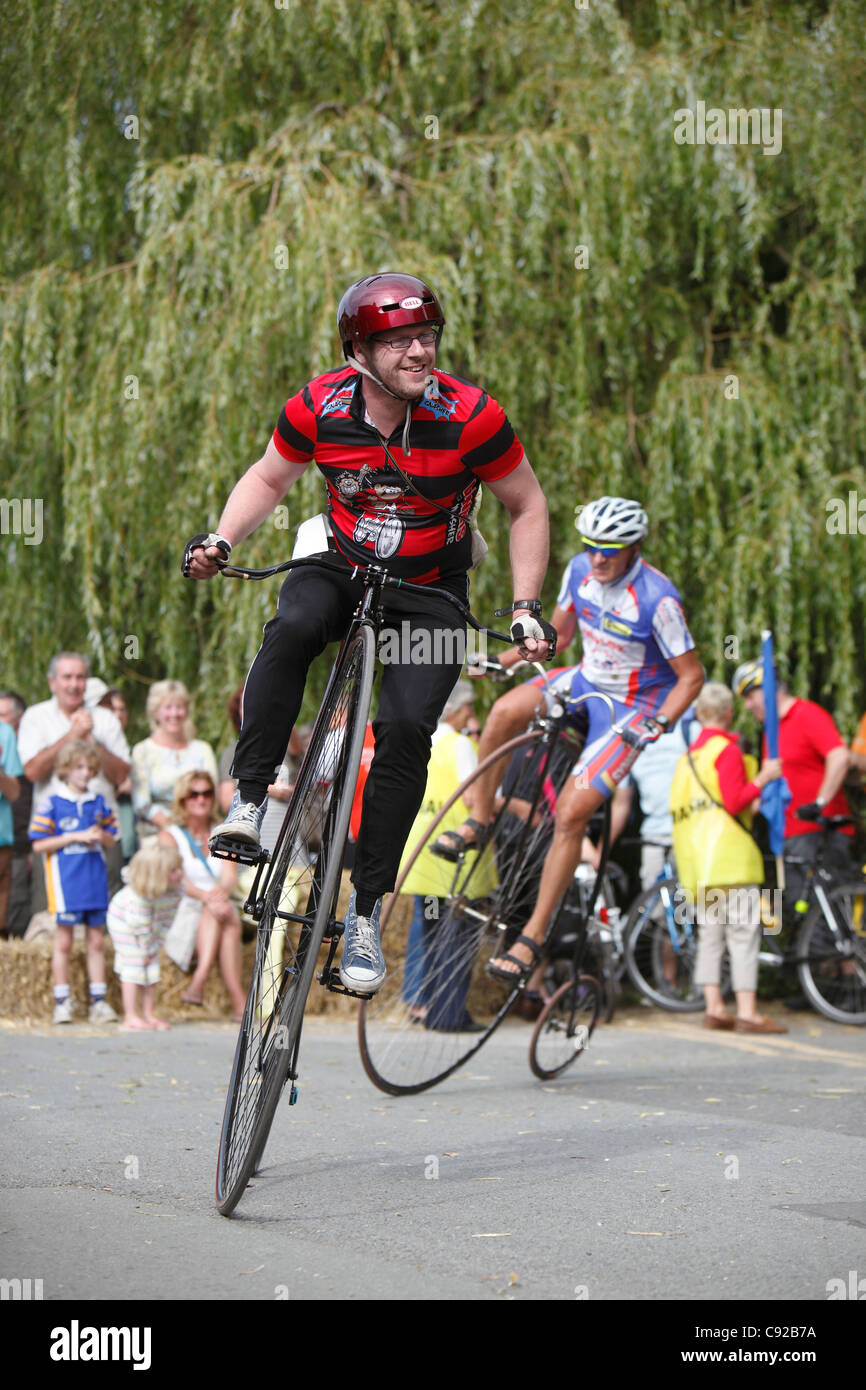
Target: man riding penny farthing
pixel 403 447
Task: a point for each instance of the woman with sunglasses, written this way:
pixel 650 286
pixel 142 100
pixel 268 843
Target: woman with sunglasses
pixel 209 882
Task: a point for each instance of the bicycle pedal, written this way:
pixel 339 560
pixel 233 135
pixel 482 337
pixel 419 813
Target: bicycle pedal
pixel 237 851
pixel 293 1095
pixel 331 980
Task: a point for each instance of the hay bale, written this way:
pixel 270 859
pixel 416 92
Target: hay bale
pixel 26 994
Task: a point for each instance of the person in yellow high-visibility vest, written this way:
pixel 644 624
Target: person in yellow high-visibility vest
pixel 453 757
pixel 719 865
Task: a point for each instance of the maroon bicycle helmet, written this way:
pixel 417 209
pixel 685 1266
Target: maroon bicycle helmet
pixel 379 302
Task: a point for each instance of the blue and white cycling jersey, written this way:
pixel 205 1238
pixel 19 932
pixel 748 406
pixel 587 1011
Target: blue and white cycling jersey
pixel 76 878
pixel 629 630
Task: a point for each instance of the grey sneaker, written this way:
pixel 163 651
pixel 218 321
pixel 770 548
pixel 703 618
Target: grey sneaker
pixel 362 966
pixel 64 1012
pixel 102 1012
pixel 243 822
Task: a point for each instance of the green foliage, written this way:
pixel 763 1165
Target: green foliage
pixel 150 336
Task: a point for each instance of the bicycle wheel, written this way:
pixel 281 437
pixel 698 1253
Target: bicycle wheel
pixel 439 1006
pixel 832 964
pixel 660 949
pixel 297 906
pixel 564 1027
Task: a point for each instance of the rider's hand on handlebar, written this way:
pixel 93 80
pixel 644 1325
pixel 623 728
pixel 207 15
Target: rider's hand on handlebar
pixel 534 637
pixel 813 810
pixel 639 735
pixel 204 555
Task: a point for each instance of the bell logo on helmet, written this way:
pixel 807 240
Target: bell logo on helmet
pixel 411 302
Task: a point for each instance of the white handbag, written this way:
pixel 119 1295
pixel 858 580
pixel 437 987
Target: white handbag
pixel 180 938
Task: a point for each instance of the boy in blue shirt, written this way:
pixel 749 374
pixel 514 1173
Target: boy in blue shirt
pixel 71 827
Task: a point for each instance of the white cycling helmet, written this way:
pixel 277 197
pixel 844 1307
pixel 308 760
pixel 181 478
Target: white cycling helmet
pixel 614 520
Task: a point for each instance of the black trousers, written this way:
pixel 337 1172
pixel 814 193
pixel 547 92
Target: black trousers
pixel 423 647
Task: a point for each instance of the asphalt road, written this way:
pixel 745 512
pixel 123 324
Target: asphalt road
pixel 668 1162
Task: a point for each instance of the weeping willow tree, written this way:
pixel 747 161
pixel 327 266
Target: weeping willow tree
pixel 664 314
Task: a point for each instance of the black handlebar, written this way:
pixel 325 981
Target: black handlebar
pixel 371 574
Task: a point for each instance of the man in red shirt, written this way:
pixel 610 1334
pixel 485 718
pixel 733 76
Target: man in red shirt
pixel 403 447
pixel 815 761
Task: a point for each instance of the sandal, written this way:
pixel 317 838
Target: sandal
pixel 451 844
pixel 188 999
pixel 517 978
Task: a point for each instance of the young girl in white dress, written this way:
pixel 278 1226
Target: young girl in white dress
pixel 138 918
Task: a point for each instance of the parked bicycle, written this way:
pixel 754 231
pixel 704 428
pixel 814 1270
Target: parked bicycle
pixel 294 896
pixel 826 946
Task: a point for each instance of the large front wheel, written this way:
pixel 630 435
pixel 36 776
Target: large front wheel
pixel 446 921
pixel 296 908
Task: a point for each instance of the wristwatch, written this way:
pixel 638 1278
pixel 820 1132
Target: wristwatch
pixel 532 605
pixel 663 720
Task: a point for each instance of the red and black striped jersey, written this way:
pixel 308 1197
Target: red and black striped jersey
pixel 457 440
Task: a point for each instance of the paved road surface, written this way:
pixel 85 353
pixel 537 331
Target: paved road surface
pixel 669 1162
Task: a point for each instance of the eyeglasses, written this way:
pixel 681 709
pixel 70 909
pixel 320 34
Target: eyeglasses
pixel 607 551
pixel 427 338
pixel 192 796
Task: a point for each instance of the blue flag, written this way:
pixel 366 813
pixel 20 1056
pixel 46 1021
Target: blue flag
pixel 776 795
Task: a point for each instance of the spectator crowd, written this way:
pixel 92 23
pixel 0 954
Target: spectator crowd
pixel 103 837
pixel 99 837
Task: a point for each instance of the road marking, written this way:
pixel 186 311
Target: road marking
pixel 763 1047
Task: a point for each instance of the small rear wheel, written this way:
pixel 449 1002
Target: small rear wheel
pixel 564 1027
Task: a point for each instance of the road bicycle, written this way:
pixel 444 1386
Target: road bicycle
pixel 826 945
pixel 293 899
pixel 439 1006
